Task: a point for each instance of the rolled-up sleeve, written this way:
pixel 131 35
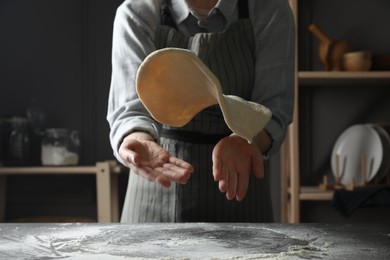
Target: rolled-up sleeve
pixel 132 42
pixel 274 35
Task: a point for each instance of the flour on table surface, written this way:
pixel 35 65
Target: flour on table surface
pixel 169 242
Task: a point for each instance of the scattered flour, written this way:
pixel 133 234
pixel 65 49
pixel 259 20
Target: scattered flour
pixel 140 243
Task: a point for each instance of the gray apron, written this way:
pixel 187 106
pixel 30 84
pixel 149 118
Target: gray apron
pixel 228 54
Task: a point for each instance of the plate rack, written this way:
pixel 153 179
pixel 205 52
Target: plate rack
pixel 374 183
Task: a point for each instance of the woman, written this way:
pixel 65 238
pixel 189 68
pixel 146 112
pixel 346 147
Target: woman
pixel 249 46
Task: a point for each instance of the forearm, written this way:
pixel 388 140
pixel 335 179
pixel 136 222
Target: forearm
pixel 132 41
pixel 274 69
pixel 140 135
pixel 262 141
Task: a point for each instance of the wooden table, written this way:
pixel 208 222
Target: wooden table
pixel 106 185
pixel 194 241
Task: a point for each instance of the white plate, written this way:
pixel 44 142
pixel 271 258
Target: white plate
pixel 349 147
pixel 385 138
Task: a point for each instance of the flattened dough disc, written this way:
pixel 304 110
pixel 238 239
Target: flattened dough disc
pixel 174 85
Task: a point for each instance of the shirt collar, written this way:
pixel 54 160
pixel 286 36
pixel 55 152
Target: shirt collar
pixel 181 10
pixel 227 8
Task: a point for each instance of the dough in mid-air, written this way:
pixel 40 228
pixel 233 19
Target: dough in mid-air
pixel 174 85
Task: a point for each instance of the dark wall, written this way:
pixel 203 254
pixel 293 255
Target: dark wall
pixel 59 52
pixel 358 21
pixel 41 52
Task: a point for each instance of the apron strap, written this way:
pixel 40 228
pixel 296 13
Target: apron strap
pixel 165 15
pixel 243 10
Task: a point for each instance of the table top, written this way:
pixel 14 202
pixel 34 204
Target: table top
pixel 194 241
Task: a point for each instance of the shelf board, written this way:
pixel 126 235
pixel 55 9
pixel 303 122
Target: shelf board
pixel 49 170
pixel 76 169
pixel 343 77
pixel 313 193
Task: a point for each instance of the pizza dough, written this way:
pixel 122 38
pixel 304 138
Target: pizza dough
pixel 174 85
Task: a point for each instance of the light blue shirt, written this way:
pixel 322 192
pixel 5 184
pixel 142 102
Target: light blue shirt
pixel 133 39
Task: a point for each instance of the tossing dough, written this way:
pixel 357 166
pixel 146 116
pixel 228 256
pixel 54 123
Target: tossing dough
pixel 174 85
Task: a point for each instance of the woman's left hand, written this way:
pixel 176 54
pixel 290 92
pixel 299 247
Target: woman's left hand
pixel 233 161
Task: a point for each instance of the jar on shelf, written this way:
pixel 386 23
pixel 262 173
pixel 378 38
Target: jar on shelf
pixel 19 147
pixel 60 146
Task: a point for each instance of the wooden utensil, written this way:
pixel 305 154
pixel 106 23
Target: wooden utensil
pixel 324 46
pixel 330 52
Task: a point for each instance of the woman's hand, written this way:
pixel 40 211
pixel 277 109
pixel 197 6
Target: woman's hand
pixel 149 160
pixel 233 161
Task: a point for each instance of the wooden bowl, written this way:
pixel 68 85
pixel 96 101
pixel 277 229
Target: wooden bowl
pixel 357 65
pixel 357 61
pixel 358 55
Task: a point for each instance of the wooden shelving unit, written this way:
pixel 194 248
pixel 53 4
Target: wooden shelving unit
pixel 106 173
pixel 292 193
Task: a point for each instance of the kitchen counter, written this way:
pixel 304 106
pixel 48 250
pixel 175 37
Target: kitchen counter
pixel 194 241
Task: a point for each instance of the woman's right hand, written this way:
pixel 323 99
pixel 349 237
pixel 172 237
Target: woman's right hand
pixel 149 160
